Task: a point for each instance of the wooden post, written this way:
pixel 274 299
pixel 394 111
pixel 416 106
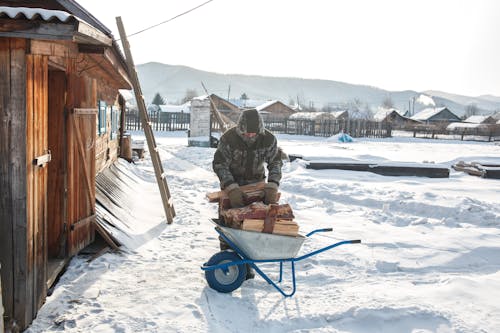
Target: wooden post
pixel 153 150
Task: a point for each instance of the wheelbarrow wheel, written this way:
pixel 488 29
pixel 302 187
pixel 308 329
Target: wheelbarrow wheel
pixel 225 280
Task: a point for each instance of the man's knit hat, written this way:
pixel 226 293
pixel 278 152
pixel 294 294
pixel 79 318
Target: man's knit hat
pixel 250 121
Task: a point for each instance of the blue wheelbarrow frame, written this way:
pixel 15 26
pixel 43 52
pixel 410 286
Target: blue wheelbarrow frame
pixel 246 260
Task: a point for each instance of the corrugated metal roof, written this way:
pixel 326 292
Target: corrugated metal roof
pixel 48 15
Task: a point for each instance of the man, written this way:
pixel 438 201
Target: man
pixel 239 160
pixel 240 157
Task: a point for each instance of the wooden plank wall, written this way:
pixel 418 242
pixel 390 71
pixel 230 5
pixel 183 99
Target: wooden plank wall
pixel 56 238
pixel 13 233
pixel 37 145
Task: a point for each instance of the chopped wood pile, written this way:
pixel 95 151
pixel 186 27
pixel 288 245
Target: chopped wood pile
pixel 256 216
pixel 479 169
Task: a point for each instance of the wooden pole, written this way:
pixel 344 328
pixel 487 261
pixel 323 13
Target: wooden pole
pixel 153 150
pixel 223 125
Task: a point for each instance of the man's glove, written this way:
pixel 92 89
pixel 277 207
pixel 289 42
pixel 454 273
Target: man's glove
pixel 270 193
pixel 236 195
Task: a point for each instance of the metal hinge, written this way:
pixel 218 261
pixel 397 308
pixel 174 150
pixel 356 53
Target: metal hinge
pixel 42 159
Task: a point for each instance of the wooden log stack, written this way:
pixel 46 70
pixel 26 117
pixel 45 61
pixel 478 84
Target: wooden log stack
pixel 256 216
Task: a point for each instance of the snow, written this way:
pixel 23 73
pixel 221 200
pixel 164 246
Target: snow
pixel 453 126
pixel 476 119
pixel 33 13
pixel 428 262
pixel 427 113
pixel 311 115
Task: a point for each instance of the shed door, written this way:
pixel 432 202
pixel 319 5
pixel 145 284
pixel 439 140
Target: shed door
pixel 81 178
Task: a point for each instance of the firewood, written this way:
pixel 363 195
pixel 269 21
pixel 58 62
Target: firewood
pixel 234 216
pixel 281 227
pixel 250 188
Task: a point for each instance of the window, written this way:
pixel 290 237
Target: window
pixel 115 121
pixel 101 120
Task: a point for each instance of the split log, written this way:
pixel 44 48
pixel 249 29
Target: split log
pixel 248 189
pixel 281 227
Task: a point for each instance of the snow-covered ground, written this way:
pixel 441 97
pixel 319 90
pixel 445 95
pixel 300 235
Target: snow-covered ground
pixel 429 261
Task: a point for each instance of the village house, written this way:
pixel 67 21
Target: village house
pixel 271 110
pixel 480 120
pixel 61 120
pixel 436 115
pixel 394 117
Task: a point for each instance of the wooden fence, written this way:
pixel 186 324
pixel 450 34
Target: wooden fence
pixel 166 121
pixel 482 133
pixel 160 121
pixel 354 127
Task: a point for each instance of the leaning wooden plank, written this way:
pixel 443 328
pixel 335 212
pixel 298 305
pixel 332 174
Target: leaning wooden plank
pixel 105 236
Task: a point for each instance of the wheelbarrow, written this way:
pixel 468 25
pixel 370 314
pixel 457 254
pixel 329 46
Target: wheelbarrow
pixel 225 271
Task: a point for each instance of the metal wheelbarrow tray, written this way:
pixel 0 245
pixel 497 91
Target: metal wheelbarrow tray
pixel 226 270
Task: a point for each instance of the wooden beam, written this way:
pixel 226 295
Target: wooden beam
pixel 91 48
pixel 63 49
pixel 155 157
pixel 83 222
pixel 43 30
pixel 85 33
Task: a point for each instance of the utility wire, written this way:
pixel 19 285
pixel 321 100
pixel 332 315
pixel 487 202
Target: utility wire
pixel 170 19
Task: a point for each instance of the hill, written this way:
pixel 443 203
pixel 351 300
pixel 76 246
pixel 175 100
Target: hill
pixel 172 82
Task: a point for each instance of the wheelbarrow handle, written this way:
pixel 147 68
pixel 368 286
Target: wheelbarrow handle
pixel 319 230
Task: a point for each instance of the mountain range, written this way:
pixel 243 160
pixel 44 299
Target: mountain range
pixel 172 82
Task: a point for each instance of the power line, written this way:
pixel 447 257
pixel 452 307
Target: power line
pixel 171 19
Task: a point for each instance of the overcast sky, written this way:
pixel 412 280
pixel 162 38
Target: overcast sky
pixel 447 45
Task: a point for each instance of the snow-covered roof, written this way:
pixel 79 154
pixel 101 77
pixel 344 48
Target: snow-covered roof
pixel 265 105
pixel 453 126
pixel 311 115
pixel 35 13
pixel 338 114
pixel 427 113
pixel 247 103
pixel 185 108
pixel 382 113
pixel 476 119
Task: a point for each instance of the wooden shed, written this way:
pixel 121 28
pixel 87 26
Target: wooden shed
pixel 60 116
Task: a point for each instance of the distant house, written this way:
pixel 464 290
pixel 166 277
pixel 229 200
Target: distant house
pixel 480 120
pixel 168 108
pixel 436 115
pixel 393 116
pixel 274 109
pixel 313 116
pixel 341 115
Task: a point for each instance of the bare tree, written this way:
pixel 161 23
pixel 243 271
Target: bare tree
pixel 387 102
pixel 471 110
